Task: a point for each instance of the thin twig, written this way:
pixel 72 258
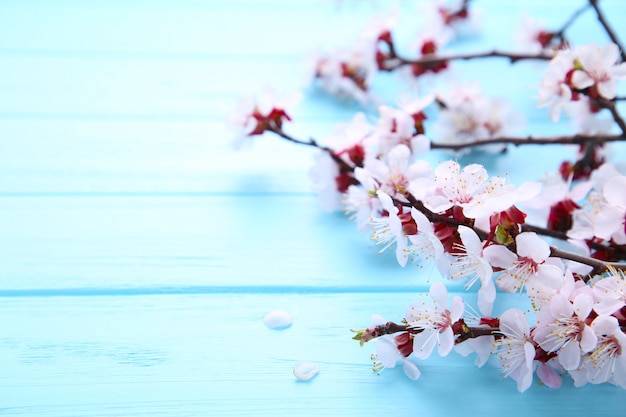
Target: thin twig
pixel 598 265
pixel 312 143
pixel 579 139
pixel 436 59
pixel 572 19
pixel 610 106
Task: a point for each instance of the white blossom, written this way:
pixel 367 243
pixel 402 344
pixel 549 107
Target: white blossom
pixel 473 266
pixel 516 349
pixel 434 322
pixel 598 68
pixel 530 266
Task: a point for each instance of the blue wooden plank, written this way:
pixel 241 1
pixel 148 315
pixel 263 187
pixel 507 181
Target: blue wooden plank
pixel 187 243
pixel 138 156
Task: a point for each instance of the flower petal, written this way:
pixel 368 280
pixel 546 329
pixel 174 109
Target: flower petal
pixel 513 323
pixel 439 294
pixel 583 304
pixel 614 191
pixel 387 352
pixel 560 307
pixel 548 376
pixel 608 89
pixel 589 339
pixel 550 275
pixel 457 306
pixel 401 254
pixel 398 158
pixel 569 355
pixel 446 342
pixel 424 343
pixel 423 224
pixel 603 325
pixel 529 245
pixel 486 297
pixel 470 240
pixel 581 79
pixel 411 370
pixel 499 256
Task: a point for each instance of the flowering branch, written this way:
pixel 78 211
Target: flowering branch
pixel 578 139
pixel 393 61
pixel 473 227
pixel 597 265
pixel 430 61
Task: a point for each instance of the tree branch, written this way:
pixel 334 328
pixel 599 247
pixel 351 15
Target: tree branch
pixel 610 106
pixel 597 265
pixel 559 34
pixel 578 139
pixel 436 59
pixel 311 142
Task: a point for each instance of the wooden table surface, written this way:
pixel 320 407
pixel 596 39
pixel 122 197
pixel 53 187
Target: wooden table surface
pixel 140 253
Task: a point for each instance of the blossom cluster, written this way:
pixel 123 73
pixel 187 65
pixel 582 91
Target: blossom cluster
pixel 585 73
pixel 350 70
pixel 578 331
pixel 472 226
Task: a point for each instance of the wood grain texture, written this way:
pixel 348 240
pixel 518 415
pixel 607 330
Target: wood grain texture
pixel 140 253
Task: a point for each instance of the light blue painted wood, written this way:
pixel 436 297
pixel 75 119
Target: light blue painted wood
pixel 108 156
pixel 139 253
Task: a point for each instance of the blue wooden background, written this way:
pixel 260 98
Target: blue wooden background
pixel 140 253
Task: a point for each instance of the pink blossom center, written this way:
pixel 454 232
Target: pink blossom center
pixel 444 322
pixel 527 263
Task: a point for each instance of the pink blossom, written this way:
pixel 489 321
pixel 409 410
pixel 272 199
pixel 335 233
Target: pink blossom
pixel 610 293
pixel 555 91
pixel 324 174
pixel 532 36
pixel 435 322
pixel 598 69
pixel 361 201
pixel 390 349
pixel 472 265
pixel 453 186
pixel 396 171
pixel 516 349
pixel 469 116
pixel 604 214
pixel 389 229
pixel 607 361
pixel 425 245
pixel 531 266
pixel 347 72
pixel 483 346
pixel 254 115
pixel 561 328
pixel 398 126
